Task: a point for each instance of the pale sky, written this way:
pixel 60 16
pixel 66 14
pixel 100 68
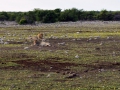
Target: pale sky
pixel 27 5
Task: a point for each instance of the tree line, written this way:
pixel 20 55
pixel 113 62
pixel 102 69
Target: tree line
pixel 57 15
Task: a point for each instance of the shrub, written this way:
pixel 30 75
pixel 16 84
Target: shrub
pixel 117 17
pixel 23 21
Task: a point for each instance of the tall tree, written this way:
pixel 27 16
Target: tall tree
pixel 103 15
pixel 4 16
pixel 69 15
pixel 50 17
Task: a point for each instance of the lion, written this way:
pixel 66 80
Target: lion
pixel 36 42
pixel 35 39
pixel 40 36
pixel 44 43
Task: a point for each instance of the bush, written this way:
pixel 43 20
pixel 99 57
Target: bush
pixel 23 21
pixel 117 17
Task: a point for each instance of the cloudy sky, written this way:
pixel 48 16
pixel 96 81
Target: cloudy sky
pixel 27 5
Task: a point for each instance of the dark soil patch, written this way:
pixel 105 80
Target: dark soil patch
pixel 42 65
pixel 54 65
pixel 14 42
pixel 17 55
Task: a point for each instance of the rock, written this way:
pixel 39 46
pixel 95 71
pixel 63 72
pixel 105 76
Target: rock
pixel 71 75
pixel 48 75
pixel 26 47
pixel 77 56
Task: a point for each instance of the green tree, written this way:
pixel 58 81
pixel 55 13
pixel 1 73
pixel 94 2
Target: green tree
pixel 116 15
pixel 57 12
pixel 4 16
pixel 110 16
pixel 12 16
pixel 19 15
pixel 91 15
pixel 69 15
pixel 80 14
pixel 36 13
pixel 30 17
pixel 40 14
pixel 103 15
pixel 50 17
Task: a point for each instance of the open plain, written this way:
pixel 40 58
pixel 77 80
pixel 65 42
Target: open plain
pixel 82 55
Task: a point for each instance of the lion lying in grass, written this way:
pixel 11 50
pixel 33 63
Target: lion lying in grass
pixel 38 40
pixel 35 39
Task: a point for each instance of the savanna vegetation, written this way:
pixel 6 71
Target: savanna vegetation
pixel 82 55
pixel 58 15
